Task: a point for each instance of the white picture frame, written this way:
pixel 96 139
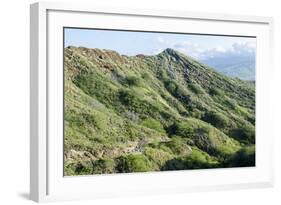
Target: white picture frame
pixel 47 182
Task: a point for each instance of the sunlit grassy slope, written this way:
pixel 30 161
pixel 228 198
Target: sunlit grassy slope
pixel 150 113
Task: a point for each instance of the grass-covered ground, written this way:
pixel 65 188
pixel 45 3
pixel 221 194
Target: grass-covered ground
pixel 150 113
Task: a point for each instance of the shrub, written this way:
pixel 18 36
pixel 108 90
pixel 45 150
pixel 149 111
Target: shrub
pixel 98 86
pixel 145 76
pixel 134 163
pixel 195 88
pixel 196 113
pixel 104 166
pixel 153 124
pixel 182 95
pixel 134 103
pixel 215 91
pixel 69 169
pixel 217 119
pixel 185 128
pixel 231 103
pixel 245 133
pixel 83 168
pixel 196 160
pixel 127 97
pixel 245 157
pixel 202 135
pixel 178 146
pixel 171 86
pixel 177 91
pixel 132 116
pixel 82 63
pixel 133 81
pixel 174 164
pixel 80 119
pixel 157 156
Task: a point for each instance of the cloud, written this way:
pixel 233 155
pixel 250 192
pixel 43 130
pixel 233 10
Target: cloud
pixel 237 49
pixel 245 47
pixel 191 49
pixel 155 51
pixel 160 39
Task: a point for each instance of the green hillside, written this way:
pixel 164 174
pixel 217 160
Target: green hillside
pixel 150 113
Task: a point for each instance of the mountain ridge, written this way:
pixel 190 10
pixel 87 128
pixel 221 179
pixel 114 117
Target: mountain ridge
pixel 149 113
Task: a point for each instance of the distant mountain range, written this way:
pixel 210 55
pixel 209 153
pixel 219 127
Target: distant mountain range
pixel 153 113
pixel 234 66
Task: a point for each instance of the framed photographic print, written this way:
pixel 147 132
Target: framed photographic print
pixel 127 102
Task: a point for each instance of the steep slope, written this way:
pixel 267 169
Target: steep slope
pixel 148 113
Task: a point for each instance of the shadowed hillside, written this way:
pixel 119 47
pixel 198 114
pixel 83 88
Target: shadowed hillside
pixel 150 113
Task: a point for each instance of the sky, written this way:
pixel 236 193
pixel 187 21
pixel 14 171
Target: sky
pixel 130 43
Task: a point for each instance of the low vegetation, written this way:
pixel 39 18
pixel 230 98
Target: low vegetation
pixel 153 113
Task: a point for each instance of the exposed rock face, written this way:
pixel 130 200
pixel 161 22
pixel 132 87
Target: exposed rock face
pixel 149 113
